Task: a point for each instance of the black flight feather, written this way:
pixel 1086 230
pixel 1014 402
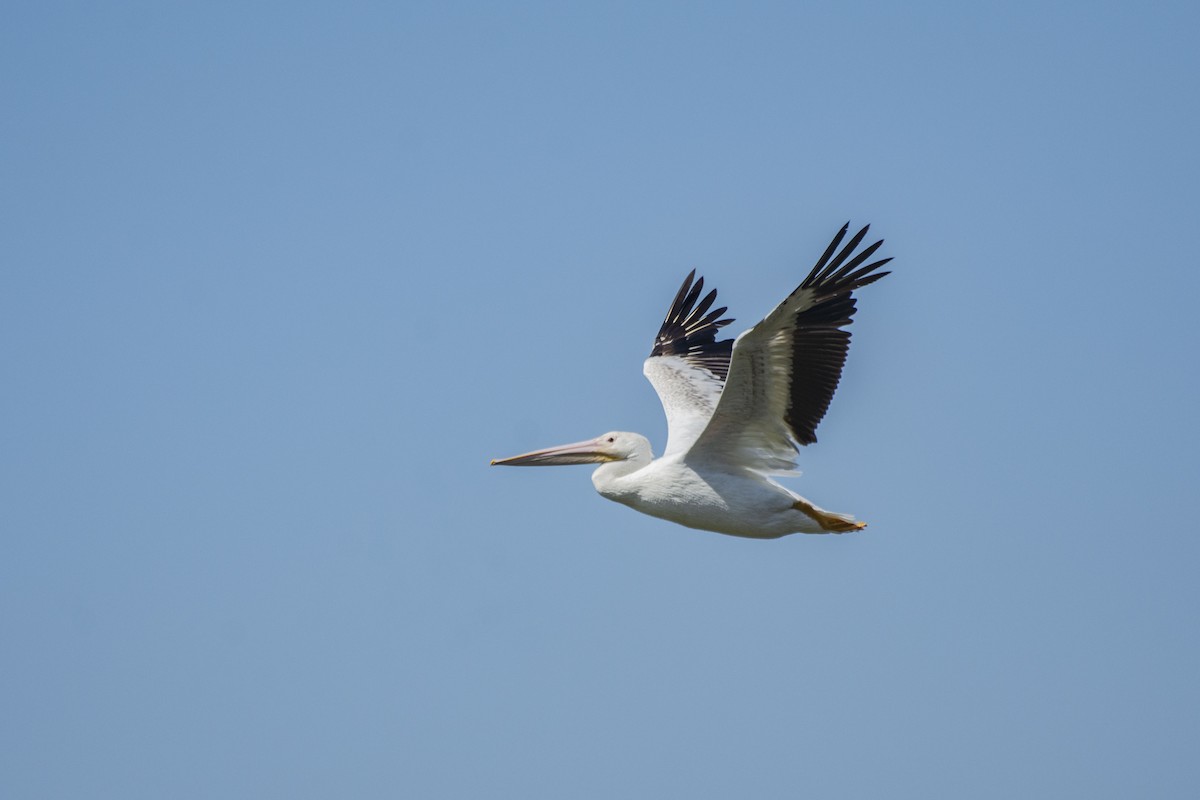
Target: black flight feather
pixel 690 330
pixel 819 345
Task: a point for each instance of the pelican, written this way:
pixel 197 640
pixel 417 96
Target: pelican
pixel 737 409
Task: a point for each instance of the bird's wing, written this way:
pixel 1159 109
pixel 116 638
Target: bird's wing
pixel 784 371
pixel 687 365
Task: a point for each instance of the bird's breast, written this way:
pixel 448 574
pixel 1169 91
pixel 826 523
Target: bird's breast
pixel 671 490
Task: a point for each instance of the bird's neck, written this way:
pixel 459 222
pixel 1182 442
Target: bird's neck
pixel 608 477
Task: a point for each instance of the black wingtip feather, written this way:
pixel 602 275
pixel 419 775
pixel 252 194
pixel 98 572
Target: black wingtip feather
pixel 690 329
pixel 835 275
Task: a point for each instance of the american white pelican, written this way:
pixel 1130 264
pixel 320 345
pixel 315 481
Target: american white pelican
pixel 736 409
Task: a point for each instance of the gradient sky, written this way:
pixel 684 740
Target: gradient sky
pixel 279 279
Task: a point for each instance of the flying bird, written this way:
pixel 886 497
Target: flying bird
pixel 737 410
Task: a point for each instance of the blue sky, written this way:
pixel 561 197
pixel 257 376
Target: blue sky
pixel 278 281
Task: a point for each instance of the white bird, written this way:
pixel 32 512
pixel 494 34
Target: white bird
pixel 736 409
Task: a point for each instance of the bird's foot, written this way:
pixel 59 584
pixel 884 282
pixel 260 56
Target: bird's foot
pixel 829 522
pixel 837 525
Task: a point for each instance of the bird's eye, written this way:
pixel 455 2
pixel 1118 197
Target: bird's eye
pixel 611 439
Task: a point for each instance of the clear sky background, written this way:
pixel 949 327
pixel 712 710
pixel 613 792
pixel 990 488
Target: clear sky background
pixel 279 279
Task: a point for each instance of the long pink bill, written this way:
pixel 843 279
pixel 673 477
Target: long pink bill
pixel 590 452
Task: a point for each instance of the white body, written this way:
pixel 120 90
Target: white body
pixel 726 498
